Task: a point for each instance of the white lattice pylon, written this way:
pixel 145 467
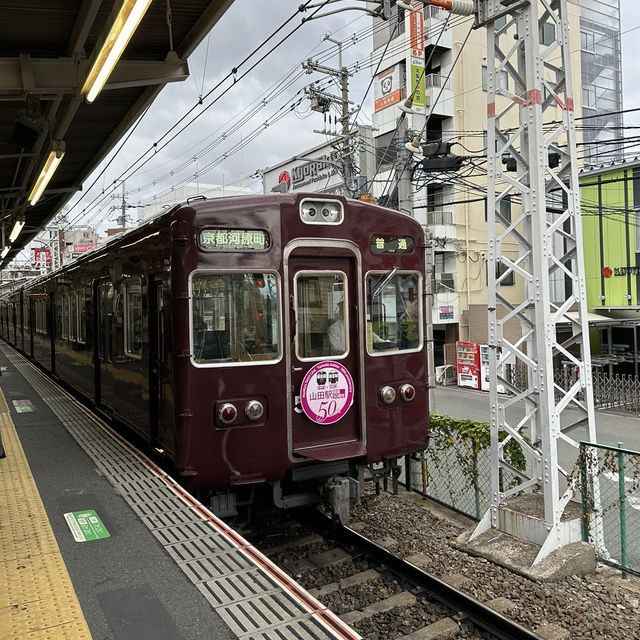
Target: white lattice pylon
pixel 548 234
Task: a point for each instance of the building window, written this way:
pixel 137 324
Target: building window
pixel 505 209
pixel 587 41
pixel 504 79
pixel 508 281
pixel 588 97
pixel 133 318
pixel 547 33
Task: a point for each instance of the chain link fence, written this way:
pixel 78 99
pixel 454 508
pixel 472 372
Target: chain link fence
pixel 613 474
pixel 456 468
pixel 456 471
pixel 621 392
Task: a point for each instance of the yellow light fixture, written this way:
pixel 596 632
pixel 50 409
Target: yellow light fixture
pixel 17 228
pixel 4 251
pixel 123 27
pixel 55 156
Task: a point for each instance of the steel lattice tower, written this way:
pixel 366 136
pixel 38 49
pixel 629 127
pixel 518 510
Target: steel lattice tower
pixel 548 234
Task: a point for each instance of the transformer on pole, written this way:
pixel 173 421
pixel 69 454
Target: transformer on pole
pixel 550 264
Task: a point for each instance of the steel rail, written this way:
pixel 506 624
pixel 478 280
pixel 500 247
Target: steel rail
pixel 482 616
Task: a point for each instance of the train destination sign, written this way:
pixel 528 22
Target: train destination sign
pixel 391 244
pixel 233 240
pixel 326 392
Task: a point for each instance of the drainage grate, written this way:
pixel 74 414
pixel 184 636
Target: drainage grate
pixel 254 597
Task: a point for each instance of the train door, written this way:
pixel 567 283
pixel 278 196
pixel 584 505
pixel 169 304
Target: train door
pixel 326 412
pixel 159 369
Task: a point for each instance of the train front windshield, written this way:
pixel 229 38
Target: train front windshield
pixel 394 312
pixel 234 318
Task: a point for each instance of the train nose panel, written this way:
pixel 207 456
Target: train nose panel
pixel 328 453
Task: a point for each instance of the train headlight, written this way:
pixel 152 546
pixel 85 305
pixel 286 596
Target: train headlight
pixel 407 392
pixel 330 213
pixel 227 413
pixel 321 211
pixel 254 410
pixel 387 395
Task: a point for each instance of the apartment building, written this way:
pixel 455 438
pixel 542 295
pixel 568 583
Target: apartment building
pixel 446 194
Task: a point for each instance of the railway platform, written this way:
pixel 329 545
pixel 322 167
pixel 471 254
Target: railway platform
pixel 97 542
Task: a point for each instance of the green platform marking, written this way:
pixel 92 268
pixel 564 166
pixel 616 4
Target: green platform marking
pixel 86 525
pixel 23 406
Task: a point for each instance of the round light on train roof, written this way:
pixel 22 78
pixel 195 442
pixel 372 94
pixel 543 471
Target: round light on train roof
pixel 254 410
pixel 387 394
pixel 330 213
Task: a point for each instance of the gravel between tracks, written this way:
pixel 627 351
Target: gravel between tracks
pixel 594 606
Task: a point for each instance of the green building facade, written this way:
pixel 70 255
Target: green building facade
pixel 611 232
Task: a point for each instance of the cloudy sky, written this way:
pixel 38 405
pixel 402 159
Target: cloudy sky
pixel 263 117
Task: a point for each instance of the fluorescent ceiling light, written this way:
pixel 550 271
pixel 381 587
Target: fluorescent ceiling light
pixel 4 251
pixel 17 228
pixel 50 166
pixel 123 27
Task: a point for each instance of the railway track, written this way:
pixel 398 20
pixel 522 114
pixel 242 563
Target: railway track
pixel 377 593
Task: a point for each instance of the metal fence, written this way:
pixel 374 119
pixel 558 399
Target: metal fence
pixel 621 392
pixel 615 527
pixel 456 471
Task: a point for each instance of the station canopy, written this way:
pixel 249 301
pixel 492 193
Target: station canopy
pixel 47 49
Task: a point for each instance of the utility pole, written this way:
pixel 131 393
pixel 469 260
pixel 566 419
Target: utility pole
pixel 548 234
pixel 321 101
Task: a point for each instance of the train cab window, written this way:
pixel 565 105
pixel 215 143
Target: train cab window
pixel 394 312
pixel 321 317
pixel 235 318
pixel 133 318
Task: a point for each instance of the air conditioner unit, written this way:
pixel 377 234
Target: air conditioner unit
pixel 445 281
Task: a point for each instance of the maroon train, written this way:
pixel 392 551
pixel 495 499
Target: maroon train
pixel 258 339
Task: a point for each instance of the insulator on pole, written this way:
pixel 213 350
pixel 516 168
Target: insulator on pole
pixel 459 7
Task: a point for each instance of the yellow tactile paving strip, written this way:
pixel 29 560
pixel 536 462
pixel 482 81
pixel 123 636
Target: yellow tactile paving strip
pixel 37 599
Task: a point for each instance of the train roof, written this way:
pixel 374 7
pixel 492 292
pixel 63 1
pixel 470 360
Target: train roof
pixel 231 202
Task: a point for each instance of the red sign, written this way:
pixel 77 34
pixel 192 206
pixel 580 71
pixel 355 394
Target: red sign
pixel 416 29
pixel 286 178
pixel 42 256
pixel 82 248
pixel 607 272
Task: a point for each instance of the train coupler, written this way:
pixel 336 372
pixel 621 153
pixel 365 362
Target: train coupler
pixel 338 491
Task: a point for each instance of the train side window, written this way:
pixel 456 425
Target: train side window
pixel 82 317
pixel 133 318
pixel 235 318
pixel 321 319
pixel 105 314
pixel 73 315
pixel 394 312
pixel 63 311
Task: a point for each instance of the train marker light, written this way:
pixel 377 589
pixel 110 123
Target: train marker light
pixel 387 395
pixel 123 26
pixel 407 392
pixel 227 413
pixel 254 410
